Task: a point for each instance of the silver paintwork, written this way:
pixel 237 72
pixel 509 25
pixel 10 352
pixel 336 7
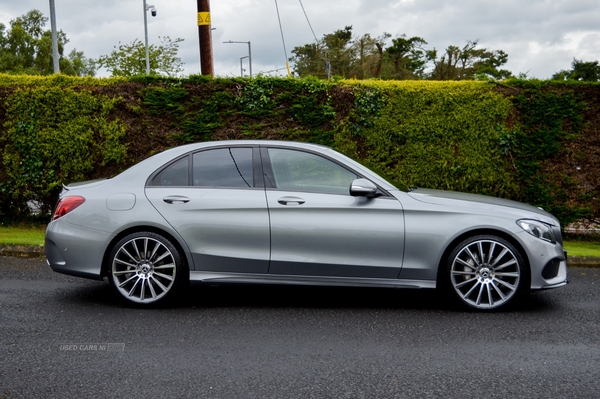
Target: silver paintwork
pixel 363 188
pixel 292 237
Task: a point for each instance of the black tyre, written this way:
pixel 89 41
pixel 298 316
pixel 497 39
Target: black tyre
pixel 145 268
pixel 486 272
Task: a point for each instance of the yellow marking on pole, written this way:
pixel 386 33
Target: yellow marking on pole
pixel 203 18
pixel 287 65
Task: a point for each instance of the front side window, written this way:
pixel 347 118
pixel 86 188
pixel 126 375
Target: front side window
pixel 302 171
pixel 223 167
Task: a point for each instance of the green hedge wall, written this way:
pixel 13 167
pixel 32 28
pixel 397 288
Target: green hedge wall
pixel 531 141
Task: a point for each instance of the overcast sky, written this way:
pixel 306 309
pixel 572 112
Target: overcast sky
pixel 540 36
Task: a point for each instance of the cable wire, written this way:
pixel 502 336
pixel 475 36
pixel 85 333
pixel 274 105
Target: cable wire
pixel 307 20
pixel 287 65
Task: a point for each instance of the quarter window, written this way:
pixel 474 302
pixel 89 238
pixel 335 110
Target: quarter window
pixel 176 174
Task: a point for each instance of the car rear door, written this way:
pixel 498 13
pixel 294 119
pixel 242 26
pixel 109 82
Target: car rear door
pixel 215 200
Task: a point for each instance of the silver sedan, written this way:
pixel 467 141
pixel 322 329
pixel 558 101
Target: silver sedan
pixel 272 212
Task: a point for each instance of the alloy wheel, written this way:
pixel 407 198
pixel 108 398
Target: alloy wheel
pixel 143 269
pixel 485 273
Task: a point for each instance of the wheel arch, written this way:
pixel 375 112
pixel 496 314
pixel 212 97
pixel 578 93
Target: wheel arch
pixel 136 229
pixel 473 233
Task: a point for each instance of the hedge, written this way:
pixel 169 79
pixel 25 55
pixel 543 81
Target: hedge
pixel 531 141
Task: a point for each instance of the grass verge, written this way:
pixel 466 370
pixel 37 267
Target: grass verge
pixel 22 235
pixel 583 248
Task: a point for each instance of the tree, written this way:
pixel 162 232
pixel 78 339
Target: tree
pixel 310 60
pixel 580 70
pixel 338 52
pixel 78 64
pixel 468 62
pixel 26 48
pixel 369 52
pixel 407 57
pixel 130 59
pixel 332 55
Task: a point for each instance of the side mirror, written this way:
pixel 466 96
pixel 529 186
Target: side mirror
pixel 363 188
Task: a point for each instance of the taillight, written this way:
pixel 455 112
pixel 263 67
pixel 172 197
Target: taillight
pixel 66 205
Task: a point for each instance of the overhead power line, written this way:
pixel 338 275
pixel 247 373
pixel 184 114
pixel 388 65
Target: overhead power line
pixel 307 20
pixel 287 65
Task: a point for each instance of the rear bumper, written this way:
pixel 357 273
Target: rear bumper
pixel 75 250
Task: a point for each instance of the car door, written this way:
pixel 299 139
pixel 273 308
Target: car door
pixel 215 200
pixel 319 229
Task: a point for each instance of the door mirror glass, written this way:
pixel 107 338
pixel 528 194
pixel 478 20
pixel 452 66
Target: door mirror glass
pixel 363 188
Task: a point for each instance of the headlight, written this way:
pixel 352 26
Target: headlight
pixel 538 229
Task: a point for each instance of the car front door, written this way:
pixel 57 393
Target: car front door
pixel 319 229
pixel 215 200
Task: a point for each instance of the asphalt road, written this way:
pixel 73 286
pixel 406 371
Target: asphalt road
pixel 69 337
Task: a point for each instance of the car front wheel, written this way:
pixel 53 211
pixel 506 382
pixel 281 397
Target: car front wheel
pixel 145 268
pixel 486 272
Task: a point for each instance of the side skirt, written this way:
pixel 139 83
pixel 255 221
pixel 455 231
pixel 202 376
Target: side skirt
pixel 199 278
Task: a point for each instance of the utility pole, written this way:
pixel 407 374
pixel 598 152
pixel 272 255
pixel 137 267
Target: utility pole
pixel 54 37
pixel 205 36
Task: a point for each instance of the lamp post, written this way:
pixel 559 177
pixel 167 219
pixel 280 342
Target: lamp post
pixel 54 38
pixel 242 66
pixel 153 12
pixel 249 53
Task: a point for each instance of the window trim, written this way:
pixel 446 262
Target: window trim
pixel 258 182
pixel 269 176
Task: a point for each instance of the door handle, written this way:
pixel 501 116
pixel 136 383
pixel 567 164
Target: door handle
pixel 291 201
pixel 176 199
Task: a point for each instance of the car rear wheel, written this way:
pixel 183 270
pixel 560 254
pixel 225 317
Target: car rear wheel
pixel 486 272
pixel 145 268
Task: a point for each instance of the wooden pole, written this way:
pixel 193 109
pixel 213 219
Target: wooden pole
pixel 205 36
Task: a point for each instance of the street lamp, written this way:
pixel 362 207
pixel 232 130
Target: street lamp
pixel 242 66
pixel 153 12
pixel 249 53
pixel 53 33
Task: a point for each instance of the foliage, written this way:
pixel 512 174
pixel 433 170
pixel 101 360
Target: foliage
pixel 26 48
pixel 369 58
pixel 520 139
pixel 435 135
pixel 252 104
pixel 580 71
pixel 53 136
pixel 57 80
pixel 256 97
pixel 468 62
pixel 368 103
pixel 332 55
pixel 547 121
pixel 407 56
pixel 365 57
pixel 130 59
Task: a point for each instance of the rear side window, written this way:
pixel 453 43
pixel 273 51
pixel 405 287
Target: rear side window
pixel 223 167
pixel 176 174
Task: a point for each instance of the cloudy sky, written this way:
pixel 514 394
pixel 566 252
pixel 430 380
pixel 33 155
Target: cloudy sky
pixel 540 36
